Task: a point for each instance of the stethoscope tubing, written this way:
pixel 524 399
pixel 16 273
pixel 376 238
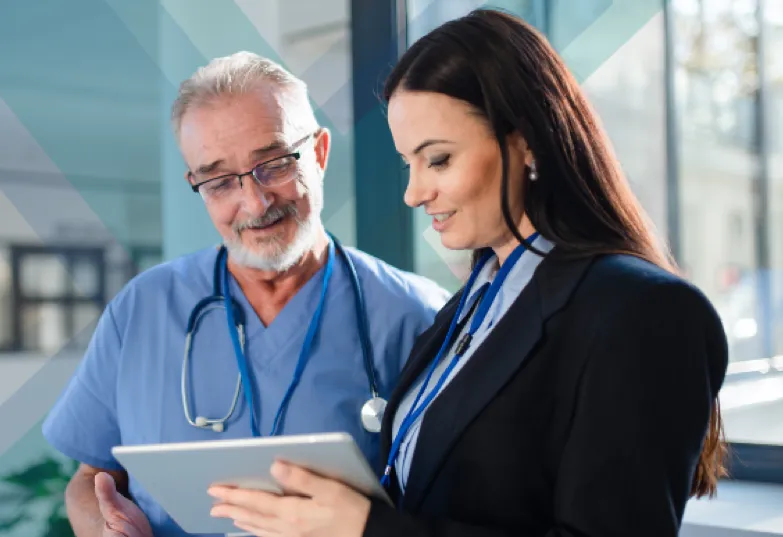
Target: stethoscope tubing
pixel 237 319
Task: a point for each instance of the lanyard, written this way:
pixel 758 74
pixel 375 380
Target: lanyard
pixel 303 355
pixel 462 346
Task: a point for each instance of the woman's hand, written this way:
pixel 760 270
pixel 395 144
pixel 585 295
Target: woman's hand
pixel 329 508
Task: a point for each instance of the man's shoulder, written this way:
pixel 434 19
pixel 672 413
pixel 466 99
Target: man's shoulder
pixel 385 282
pixel 184 271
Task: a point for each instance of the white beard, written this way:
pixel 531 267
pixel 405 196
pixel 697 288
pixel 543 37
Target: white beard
pixel 280 257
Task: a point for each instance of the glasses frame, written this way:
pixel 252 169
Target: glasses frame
pixel 296 155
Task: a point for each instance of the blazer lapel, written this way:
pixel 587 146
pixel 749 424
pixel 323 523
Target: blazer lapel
pixel 422 353
pixel 483 376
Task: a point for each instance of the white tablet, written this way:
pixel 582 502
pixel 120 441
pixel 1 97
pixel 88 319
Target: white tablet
pixel 177 475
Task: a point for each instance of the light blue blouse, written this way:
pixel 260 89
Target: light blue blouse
pixel 517 279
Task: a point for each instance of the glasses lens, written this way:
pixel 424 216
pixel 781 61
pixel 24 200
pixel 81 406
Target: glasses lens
pixel 220 188
pixel 276 171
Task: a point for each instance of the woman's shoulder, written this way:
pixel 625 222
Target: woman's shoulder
pixel 622 283
pixel 630 270
pixel 629 307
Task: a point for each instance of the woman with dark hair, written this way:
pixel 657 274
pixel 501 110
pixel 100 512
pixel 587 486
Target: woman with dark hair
pixel 570 388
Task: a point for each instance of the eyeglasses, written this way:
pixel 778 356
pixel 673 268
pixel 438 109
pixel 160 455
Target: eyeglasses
pixel 270 173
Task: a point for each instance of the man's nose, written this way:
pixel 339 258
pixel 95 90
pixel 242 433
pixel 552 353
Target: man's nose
pixel 255 199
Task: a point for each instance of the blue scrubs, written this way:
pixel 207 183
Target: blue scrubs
pixel 127 390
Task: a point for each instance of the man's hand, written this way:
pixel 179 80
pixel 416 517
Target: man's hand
pixel 122 517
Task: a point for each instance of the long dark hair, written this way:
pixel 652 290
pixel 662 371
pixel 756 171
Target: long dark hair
pixel 582 202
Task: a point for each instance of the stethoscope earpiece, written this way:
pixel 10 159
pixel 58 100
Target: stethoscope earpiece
pixel 203 422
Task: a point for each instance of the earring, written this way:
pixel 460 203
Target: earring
pixel 533 171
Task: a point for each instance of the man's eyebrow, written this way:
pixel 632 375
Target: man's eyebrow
pixel 259 153
pixel 429 142
pixel 209 168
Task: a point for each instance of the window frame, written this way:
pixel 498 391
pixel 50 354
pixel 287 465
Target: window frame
pixel 384 224
pixel 69 255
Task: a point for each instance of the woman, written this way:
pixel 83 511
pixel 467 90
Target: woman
pixel 583 399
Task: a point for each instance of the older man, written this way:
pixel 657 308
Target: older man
pixel 257 156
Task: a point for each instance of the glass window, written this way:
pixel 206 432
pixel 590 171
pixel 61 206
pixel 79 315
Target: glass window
pixel 730 194
pixel 773 70
pixel 629 94
pixel 44 276
pixel 43 327
pixel 85 278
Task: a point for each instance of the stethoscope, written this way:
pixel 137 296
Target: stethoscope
pixel 372 410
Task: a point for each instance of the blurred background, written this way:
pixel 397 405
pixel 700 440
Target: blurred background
pixel 92 189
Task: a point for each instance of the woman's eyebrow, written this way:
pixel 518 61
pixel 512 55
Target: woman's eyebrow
pixel 429 142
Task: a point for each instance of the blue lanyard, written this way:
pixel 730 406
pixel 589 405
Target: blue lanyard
pixel 303 355
pixel 462 346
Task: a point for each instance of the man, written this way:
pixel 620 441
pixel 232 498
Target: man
pixel 257 157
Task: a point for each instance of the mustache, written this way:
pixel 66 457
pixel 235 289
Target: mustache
pixel 271 215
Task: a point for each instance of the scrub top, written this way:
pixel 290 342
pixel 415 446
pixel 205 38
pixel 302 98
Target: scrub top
pixel 126 390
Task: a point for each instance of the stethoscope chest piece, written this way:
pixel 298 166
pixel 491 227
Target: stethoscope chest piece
pixel 372 414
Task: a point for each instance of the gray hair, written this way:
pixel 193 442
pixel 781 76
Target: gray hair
pixel 238 73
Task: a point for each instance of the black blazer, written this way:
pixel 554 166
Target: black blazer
pixel 581 415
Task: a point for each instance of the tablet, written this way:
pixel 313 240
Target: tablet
pixel 177 475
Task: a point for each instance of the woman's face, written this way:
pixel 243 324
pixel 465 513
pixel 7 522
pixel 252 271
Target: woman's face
pixel 456 169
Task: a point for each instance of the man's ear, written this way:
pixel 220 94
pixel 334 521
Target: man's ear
pixel 323 145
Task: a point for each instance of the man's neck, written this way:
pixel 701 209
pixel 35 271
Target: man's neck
pixel 268 291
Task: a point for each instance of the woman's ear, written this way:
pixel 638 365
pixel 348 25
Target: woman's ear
pixel 518 144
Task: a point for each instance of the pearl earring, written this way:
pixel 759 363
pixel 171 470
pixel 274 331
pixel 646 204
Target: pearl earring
pixel 533 171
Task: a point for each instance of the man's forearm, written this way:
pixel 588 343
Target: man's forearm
pixel 82 507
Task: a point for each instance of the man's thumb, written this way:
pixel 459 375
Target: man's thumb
pixel 106 492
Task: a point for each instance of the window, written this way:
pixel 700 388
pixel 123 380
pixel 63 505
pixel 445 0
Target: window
pixel 58 294
pixel 773 129
pixel 727 61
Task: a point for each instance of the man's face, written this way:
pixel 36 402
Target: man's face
pixel 271 225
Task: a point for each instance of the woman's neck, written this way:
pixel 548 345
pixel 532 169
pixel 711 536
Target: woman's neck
pixel 503 250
